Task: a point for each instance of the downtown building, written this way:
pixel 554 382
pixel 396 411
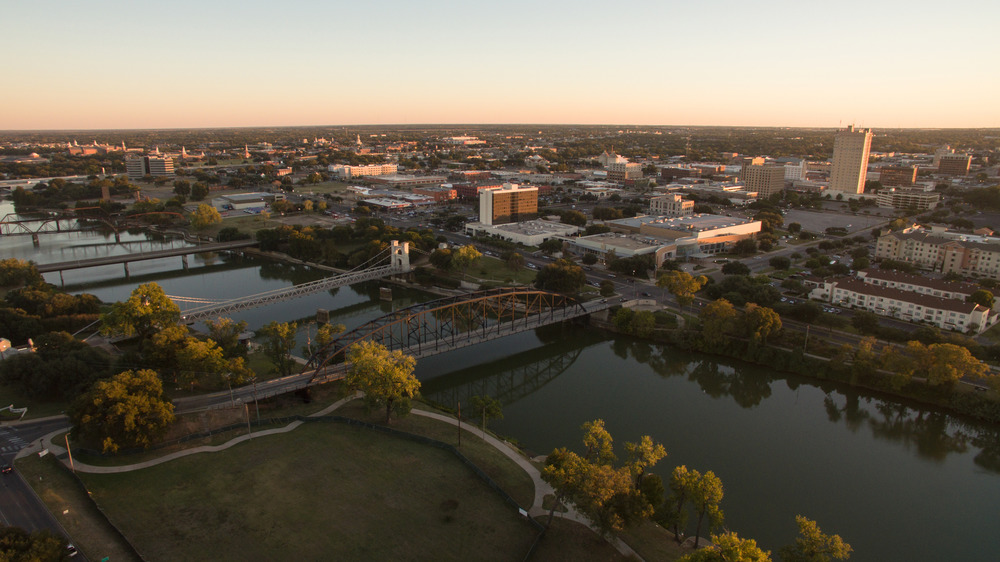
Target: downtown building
pixel 762 177
pixel 138 167
pixel 510 203
pixel 850 160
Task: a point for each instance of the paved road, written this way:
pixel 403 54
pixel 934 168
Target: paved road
pixel 19 506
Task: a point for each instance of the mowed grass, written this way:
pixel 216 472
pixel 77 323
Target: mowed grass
pixel 325 491
pixel 68 502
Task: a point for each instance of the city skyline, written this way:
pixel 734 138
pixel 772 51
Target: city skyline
pixel 119 65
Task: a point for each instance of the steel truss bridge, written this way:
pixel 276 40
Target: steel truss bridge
pixel 451 323
pixel 72 220
pixel 397 254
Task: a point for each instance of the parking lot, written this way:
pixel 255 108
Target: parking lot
pixel 818 222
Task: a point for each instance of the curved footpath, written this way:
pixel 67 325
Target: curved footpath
pixel 542 488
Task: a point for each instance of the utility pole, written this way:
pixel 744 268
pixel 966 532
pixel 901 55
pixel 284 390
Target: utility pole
pixel 246 408
pixel 459 424
pixel 71 467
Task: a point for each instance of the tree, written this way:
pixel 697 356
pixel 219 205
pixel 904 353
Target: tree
pixel 607 494
pixel 127 410
pixel 642 456
pixel 182 188
pixel 682 482
pixel 15 272
pixel 982 297
pixel 607 288
pixel 794 228
pixel 706 495
pixel 735 268
pixel 575 218
pixel 147 310
pixel 812 545
pixel 561 276
pixel 551 246
pixel 780 262
pixel 18 545
pixel 227 333
pixel 487 408
pixel 278 343
pixel 682 285
pixel 729 547
pixel 589 259
pixel 745 247
pixel 514 261
pixel 205 216
pixel 441 259
pixel 465 256
pixel 717 319
pixel 761 322
pixel 198 191
pixel 385 377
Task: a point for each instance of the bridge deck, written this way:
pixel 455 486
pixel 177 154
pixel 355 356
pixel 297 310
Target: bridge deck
pixel 126 258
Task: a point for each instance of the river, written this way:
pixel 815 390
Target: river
pixel 897 481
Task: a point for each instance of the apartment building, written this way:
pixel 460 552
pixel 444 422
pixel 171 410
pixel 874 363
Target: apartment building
pixel 977 256
pixel 946 314
pixel 918 284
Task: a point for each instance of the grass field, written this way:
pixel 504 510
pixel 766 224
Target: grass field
pixel 322 492
pixel 68 502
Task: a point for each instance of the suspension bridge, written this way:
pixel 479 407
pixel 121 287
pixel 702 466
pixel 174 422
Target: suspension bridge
pixel 398 262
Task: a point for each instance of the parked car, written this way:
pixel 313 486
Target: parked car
pixel 6 469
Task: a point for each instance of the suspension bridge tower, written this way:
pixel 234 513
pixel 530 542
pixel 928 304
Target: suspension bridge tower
pixel 400 256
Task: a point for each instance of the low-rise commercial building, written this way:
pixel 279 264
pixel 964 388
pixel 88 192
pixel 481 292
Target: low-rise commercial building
pixel 242 201
pixel 697 235
pixel 529 233
pixel 622 246
pixel 912 199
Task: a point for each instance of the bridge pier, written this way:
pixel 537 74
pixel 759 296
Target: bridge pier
pixel 34 240
pixel 127 275
pixel 118 240
pixel 62 282
pixel 184 261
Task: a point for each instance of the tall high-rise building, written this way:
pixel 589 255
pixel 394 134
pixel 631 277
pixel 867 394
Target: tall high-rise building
pixel 850 160
pixel 510 203
pixel 139 167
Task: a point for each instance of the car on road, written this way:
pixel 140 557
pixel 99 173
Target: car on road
pixel 646 295
pixel 71 550
pixel 6 469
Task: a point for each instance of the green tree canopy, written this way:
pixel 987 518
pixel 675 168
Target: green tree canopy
pixel 812 545
pixel 729 547
pixel 385 377
pixel 718 319
pixel 205 216
pixel 682 285
pixel 18 545
pixel 127 410
pixel 982 297
pixel 561 276
pixel 278 342
pixel 147 311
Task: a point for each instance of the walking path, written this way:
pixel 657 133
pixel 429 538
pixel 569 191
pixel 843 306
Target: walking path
pixel 542 488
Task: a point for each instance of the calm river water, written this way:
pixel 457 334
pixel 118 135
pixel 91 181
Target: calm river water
pixel 898 482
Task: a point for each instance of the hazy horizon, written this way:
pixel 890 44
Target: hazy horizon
pixel 117 65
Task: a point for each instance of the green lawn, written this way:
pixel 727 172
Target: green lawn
pixel 322 492
pixel 88 529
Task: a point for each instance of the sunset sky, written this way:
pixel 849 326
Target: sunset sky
pixel 127 64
